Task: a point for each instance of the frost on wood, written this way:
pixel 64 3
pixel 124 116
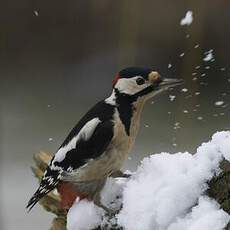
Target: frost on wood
pixel 167 192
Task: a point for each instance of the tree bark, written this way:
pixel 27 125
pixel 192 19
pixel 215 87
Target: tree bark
pixel 219 189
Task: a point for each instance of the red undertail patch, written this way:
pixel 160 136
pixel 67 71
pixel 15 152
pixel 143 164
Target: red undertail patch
pixel 69 194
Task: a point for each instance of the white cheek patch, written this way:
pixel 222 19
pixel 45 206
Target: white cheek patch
pixel 85 134
pixel 129 85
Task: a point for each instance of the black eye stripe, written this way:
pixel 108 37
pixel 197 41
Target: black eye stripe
pixel 140 81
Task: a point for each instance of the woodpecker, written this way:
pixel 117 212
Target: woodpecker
pixel 101 141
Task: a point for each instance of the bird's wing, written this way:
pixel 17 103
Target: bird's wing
pixel 87 140
pixel 89 143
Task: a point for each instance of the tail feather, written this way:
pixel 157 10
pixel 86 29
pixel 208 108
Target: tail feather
pixel 36 197
pixel 48 183
pixel 41 192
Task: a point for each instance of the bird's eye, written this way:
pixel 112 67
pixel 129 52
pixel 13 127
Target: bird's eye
pixel 140 81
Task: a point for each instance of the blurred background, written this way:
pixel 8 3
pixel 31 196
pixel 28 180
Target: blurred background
pixel 58 58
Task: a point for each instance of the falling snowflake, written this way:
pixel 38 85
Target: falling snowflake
pixel 219 103
pixel 223 69
pixel 172 97
pixel 184 90
pixel 187 20
pixel 36 13
pixel 209 56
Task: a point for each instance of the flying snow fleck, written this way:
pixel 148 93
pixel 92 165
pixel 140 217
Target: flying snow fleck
pixel 36 13
pixel 219 103
pixel 187 20
pixel 184 90
pixel 169 65
pixel 172 97
pixel 223 69
pixel 209 56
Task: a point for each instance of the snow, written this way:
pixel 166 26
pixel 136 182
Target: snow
pixel 209 56
pixel 172 97
pixel 112 193
pixel 223 69
pixel 167 192
pixel 187 20
pixel 206 215
pixel 84 215
pixel 36 13
pixel 184 90
pixel 219 103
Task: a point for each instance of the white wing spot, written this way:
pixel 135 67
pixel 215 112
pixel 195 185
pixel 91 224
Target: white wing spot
pixel 85 134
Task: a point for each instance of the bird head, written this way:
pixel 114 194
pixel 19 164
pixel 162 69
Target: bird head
pixel 142 82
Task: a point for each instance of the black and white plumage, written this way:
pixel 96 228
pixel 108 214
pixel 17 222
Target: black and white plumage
pixel 100 142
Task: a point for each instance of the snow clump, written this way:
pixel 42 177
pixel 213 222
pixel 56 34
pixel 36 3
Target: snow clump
pixel 167 192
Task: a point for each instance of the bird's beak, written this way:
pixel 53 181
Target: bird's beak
pixel 169 82
pixel 155 79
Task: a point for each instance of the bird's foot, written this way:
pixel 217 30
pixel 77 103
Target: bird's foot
pixel 119 173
